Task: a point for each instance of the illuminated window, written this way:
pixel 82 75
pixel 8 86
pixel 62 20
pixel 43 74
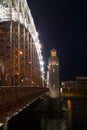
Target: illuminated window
pixel 53 62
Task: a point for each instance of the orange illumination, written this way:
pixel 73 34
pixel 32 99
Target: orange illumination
pixel 17 73
pixel 21 53
pixel 29 62
pixel 69 104
pixel 32 82
pixel 53 52
pixel 1 32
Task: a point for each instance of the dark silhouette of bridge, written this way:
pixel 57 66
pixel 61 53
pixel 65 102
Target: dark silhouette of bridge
pixel 21 61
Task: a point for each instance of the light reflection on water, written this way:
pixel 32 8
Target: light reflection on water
pixel 59 123
pixel 75 119
pixel 69 115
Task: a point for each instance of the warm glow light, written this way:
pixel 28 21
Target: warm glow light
pixel 22 80
pixel 53 52
pixel 29 62
pixel 69 104
pixel 17 73
pixel 21 53
pixel 61 90
pixel 33 82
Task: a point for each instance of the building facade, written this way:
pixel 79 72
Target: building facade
pixel 77 86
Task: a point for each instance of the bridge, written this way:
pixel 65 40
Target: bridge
pixel 21 61
pixel 22 76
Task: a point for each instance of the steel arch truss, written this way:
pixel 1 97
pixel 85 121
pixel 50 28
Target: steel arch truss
pixel 20 50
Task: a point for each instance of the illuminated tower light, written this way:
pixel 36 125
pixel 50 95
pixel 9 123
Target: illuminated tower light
pixel 53 74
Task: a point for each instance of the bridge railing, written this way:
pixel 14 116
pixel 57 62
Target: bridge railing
pixel 9 94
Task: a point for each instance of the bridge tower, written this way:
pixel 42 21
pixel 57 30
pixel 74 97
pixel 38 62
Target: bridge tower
pixel 53 74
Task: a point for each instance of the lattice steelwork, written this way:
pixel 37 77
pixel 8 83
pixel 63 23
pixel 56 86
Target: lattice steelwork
pixel 20 50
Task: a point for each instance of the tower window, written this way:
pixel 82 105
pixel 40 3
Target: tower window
pixel 53 70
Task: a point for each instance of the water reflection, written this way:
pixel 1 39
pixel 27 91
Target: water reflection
pixel 69 106
pixel 75 119
pixel 54 123
pixel 37 122
pixel 63 125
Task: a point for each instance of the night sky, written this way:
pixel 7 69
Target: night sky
pixel 62 24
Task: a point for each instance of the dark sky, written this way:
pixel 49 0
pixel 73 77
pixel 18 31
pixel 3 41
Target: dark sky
pixel 62 24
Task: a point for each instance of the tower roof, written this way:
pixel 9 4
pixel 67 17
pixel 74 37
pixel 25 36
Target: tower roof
pixel 53 52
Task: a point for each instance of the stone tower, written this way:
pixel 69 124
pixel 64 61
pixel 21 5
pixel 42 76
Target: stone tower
pixel 53 74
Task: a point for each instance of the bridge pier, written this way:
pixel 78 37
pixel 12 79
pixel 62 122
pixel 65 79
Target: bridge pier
pixel 47 104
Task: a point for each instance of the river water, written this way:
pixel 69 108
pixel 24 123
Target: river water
pixel 32 119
